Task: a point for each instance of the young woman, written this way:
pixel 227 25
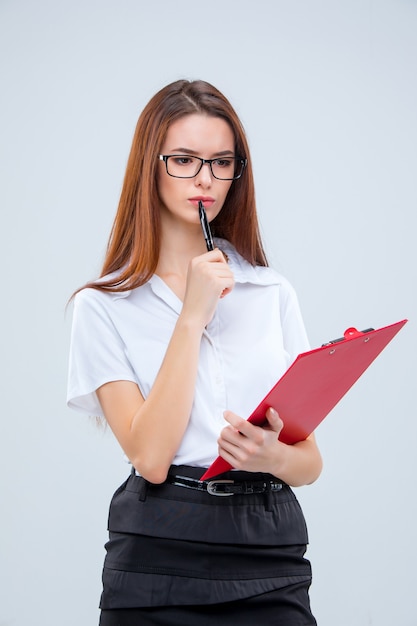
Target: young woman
pixel 175 346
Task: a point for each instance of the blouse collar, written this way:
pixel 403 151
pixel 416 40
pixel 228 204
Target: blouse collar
pixel 242 270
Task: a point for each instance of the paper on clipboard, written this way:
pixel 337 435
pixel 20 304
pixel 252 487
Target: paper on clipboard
pixel 314 384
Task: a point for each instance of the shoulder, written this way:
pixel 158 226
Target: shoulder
pixel 91 299
pixel 96 296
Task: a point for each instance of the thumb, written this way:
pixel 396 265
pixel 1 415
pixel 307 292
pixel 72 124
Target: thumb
pixel 275 422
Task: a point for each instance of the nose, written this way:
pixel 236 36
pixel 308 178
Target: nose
pixel 204 177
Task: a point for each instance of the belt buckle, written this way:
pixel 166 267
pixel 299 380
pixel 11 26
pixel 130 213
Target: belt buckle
pixel 212 487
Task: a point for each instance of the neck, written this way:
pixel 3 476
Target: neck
pixel 178 248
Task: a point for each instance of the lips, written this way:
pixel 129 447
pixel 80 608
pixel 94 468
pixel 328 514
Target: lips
pixel 207 201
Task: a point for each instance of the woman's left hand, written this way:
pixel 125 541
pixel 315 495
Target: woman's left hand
pixel 258 449
pixel 253 448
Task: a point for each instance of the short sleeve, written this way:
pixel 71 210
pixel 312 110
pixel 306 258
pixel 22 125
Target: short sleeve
pixel 97 352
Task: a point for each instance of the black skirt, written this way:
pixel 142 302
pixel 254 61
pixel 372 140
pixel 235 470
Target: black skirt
pixel 180 556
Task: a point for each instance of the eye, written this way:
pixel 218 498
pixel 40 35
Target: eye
pixel 223 163
pixel 183 160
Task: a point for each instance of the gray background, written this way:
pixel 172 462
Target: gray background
pixel 327 92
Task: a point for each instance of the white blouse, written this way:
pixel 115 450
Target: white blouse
pixel 256 333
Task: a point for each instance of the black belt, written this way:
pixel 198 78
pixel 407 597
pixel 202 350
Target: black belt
pixel 225 487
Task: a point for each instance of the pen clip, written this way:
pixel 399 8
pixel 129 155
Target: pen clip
pixel 205 226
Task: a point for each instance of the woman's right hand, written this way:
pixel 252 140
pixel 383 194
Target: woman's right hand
pixel 209 279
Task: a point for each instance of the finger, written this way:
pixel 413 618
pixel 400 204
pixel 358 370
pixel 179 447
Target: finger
pixel 242 427
pixel 214 256
pixel 234 420
pixel 275 422
pixel 212 266
pixel 233 443
pixel 225 292
pixel 223 256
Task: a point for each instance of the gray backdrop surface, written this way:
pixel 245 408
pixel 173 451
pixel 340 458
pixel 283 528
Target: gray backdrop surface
pixel 327 92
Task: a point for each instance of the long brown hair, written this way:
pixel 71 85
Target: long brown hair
pixel 133 248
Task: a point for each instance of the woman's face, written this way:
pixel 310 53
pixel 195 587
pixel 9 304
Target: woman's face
pixel 205 137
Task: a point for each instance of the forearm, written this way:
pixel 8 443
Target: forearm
pixel 159 424
pixel 150 430
pixel 298 464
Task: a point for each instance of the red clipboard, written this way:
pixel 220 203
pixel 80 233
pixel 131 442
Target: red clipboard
pixel 314 384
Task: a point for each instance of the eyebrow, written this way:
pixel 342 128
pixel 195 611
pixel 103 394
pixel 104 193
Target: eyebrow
pixel 193 152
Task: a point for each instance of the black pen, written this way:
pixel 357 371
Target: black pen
pixel 205 226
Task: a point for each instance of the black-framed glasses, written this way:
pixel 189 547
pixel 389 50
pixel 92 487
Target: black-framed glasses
pixel 186 166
